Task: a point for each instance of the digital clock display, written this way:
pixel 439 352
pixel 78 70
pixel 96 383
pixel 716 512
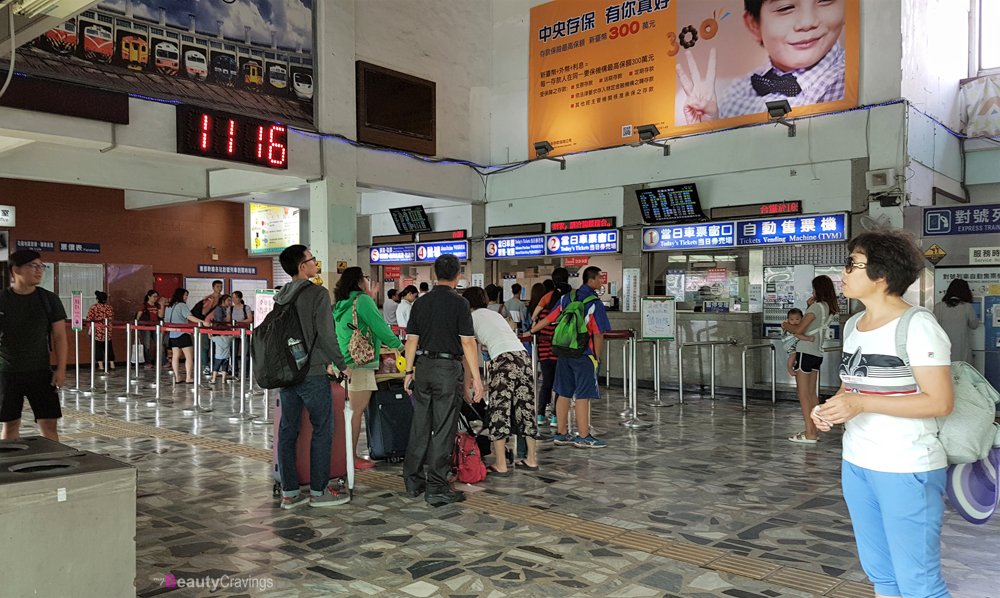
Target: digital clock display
pixel 231 137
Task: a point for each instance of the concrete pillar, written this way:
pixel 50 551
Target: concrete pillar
pixel 333 213
pixel 477 251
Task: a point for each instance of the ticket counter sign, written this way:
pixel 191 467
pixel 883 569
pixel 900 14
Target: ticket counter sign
pixel 689 236
pixel 822 228
pixel 428 252
pixel 393 254
pixel 589 243
pixel 515 247
pixel 965 220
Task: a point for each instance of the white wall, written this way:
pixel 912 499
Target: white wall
pixel 445 42
pixel 935 55
pixel 879 81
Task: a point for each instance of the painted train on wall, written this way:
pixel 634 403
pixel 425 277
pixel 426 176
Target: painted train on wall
pixel 102 46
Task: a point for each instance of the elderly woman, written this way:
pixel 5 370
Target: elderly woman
pixel 511 385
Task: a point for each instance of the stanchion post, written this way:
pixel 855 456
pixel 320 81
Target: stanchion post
pixel 243 371
pixel 107 340
pixel 534 372
pixel 93 353
pixel 197 364
pixel 128 357
pixel 680 372
pixel 607 363
pixel 774 373
pixel 159 357
pixel 627 413
pixel 712 371
pixel 76 353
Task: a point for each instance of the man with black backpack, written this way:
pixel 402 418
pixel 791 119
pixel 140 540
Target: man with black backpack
pixel 314 353
pixel 581 322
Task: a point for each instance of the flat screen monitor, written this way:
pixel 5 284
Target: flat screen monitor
pixel 669 205
pixel 410 220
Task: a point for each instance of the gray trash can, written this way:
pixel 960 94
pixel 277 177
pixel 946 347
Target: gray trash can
pixel 33 448
pixel 67 524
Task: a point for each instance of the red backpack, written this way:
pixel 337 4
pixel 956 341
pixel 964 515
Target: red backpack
pixel 467 461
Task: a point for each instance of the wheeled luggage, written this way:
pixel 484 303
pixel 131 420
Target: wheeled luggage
pixel 341 449
pixel 387 422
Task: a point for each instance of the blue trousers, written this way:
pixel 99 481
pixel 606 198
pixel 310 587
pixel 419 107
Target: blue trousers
pixel 314 395
pixel 897 526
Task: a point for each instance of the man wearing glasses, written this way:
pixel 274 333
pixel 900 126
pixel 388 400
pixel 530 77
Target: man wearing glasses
pixel 31 322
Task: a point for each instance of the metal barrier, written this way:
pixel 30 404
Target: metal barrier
pixel 773 371
pixel 819 371
pixel 632 421
pixel 680 364
pixel 656 371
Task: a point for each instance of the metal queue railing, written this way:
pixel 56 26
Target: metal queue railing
pixel 680 363
pixel 743 358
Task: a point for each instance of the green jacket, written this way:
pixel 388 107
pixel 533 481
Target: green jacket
pixel 370 322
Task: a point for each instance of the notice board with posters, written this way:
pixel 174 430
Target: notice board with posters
pixel 598 69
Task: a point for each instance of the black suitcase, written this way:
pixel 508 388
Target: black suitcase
pixel 387 422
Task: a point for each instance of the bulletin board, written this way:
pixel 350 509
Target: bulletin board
pixel 247 286
pixel 657 318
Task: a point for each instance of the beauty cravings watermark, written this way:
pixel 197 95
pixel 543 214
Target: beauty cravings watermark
pixel 215 584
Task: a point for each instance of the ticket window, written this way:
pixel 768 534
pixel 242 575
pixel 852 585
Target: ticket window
pixel 701 281
pixel 528 272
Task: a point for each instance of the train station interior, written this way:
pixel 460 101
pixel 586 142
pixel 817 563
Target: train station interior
pixel 710 160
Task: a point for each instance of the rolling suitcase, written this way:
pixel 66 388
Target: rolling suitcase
pixel 342 453
pixel 387 422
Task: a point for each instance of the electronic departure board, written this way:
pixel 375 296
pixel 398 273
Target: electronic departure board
pixel 410 220
pixel 678 203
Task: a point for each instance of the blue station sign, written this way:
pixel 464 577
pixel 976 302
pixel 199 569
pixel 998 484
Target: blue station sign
pixel 963 220
pixel 820 228
pixel 515 247
pixel 688 236
pixel 813 228
pixel 393 254
pixel 588 243
pixel 428 252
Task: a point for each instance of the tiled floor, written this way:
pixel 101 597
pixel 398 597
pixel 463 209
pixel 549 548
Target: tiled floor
pixel 711 501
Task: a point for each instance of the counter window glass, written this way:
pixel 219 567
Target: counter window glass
pixel 701 281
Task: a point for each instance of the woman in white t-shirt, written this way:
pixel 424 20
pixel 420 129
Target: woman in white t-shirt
pixel 811 330
pixel 893 473
pixel 511 385
pixel 406 298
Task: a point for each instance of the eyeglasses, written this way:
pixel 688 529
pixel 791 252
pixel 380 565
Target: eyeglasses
pixel 850 265
pixel 367 277
pixel 312 259
pixel 41 267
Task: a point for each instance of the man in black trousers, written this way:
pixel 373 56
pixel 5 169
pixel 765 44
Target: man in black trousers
pixel 439 336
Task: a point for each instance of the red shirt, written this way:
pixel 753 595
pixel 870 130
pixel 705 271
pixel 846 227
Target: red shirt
pixel 99 312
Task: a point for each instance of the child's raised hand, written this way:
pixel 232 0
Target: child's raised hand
pixel 701 103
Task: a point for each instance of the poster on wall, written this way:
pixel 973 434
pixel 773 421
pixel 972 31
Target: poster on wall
pixel 598 69
pixel 252 58
pixel 272 228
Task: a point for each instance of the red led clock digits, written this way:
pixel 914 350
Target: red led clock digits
pixel 231 137
pixel 276 151
pixel 205 134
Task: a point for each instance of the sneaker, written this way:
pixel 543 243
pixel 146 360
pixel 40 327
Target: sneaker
pixel 364 464
pixel 589 442
pixel 562 439
pixel 540 420
pixel 331 497
pixel 290 502
pixel 553 423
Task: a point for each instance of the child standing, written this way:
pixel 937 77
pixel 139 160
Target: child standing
pixel 791 341
pixel 222 349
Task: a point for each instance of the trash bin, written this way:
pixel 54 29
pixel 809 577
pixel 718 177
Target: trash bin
pixel 68 526
pixel 33 448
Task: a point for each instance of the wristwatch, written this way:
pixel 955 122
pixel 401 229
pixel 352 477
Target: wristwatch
pixel 409 372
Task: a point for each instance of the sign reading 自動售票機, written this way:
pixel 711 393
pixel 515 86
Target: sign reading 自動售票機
pixel 819 228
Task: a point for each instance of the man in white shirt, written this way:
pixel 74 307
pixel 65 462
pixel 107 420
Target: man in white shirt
pixel 389 309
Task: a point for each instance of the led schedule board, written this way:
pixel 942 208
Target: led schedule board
pixel 410 220
pixel 667 205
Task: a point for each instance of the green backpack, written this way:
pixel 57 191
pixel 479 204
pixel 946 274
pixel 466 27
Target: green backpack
pixel 571 338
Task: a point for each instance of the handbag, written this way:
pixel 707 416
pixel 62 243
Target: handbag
pixel 138 353
pixel 360 347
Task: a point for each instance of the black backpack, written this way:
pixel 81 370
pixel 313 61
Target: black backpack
pixel 198 310
pixel 272 344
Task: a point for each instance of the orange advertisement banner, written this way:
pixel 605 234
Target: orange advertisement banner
pixel 598 69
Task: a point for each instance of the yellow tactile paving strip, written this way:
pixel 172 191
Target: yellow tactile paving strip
pixel 685 552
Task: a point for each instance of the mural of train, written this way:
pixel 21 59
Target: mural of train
pixel 139 45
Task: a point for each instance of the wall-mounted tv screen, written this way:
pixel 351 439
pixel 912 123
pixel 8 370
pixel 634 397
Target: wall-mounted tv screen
pixel 675 204
pixel 410 220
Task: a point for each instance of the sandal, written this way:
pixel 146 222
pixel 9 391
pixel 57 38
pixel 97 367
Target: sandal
pixel 800 438
pixel 524 464
pixel 501 474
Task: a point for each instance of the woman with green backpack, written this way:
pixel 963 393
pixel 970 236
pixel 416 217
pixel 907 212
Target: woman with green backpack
pixel 361 332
